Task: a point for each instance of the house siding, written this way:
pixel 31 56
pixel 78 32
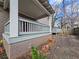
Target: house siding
pixel 3 19
pixel 44 20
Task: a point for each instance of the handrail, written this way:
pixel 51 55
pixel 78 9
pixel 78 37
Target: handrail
pixel 33 22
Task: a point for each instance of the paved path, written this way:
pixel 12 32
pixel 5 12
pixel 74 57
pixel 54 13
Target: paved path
pixel 67 47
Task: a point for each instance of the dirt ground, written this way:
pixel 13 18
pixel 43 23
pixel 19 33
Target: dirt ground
pixel 67 47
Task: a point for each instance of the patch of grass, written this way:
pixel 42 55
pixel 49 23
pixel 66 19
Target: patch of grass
pixel 36 54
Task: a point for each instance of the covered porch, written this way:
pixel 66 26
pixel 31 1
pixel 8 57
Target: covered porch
pixel 29 20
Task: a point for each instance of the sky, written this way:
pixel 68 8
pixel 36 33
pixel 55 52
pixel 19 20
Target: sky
pixel 64 7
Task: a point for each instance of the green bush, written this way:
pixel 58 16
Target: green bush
pixel 1 42
pixel 36 54
pixel 75 31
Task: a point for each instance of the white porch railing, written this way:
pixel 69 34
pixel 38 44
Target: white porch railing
pixel 29 27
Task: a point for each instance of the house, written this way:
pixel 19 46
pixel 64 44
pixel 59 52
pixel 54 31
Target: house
pixel 30 24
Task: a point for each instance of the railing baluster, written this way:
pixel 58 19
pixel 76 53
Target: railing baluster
pixel 32 27
pixel 22 26
pixel 28 27
pixel 36 28
pixel 25 27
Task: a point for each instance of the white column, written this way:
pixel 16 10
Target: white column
pixel 13 18
pixel 50 23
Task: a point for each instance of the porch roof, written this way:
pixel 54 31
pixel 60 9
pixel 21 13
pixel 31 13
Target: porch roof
pixel 35 9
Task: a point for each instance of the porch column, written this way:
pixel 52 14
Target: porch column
pixel 13 18
pixel 50 23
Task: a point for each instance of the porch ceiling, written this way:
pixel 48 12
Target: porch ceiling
pixel 35 9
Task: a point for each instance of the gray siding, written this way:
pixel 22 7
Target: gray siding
pixel 3 19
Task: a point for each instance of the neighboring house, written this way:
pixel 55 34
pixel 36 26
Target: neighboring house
pixel 29 25
pixel 67 25
pixel 76 22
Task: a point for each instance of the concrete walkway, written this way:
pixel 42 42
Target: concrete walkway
pixel 67 47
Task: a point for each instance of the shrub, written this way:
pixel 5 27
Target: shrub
pixel 75 31
pixel 36 54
